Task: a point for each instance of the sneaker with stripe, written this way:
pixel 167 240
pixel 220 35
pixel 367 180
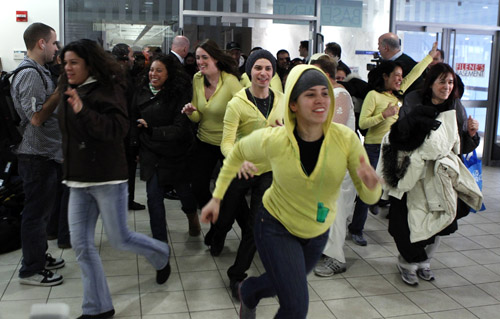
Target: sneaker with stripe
pixel 44 278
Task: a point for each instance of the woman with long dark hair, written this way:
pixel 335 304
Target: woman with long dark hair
pixel 419 160
pixel 309 157
pixel 379 111
pixel 93 121
pixel 213 87
pixel 165 141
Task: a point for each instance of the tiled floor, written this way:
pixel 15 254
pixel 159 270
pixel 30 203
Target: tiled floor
pixel 467 267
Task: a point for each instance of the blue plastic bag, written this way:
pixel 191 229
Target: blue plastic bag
pixel 475 168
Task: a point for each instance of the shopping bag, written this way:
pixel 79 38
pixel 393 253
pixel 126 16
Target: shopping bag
pixel 475 167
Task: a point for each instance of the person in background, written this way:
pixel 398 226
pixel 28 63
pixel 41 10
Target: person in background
pixel 432 130
pixel 234 50
pixel 379 111
pixel 93 120
pixel 334 50
pixel 309 157
pixel 125 57
pixel 304 51
pixel 213 87
pixel 190 64
pixel 341 73
pixel 283 63
pixel 333 259
pixel 165 141
pixel 180 48
pixel 39 154
pixel 147 51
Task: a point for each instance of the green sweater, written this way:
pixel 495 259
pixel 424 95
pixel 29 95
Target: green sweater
pixel 210 114
pixel 375 103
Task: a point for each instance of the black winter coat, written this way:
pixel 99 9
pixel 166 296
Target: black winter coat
pixel 93 139
pixel 166 144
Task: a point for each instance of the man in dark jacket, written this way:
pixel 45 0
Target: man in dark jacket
pixel 180 48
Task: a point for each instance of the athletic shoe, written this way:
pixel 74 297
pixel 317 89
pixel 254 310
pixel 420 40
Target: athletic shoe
pixel 359 240
pixel 52 263
pixel 409 277
pixel 328 266
pixel 425 273
pixel 373 209
pixel 44 278
pixel 136 206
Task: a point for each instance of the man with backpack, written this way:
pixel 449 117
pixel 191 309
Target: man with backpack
pixel 39 154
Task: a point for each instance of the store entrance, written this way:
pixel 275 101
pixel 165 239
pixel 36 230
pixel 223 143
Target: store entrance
pixel 469 52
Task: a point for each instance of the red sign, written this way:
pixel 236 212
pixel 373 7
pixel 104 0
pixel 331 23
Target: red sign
pixel 470 69
pixel 22 16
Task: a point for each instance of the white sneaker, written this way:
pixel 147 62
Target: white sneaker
pixel 328 266
pixel 44 278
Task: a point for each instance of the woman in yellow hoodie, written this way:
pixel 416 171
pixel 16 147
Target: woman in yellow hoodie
pixel 309 157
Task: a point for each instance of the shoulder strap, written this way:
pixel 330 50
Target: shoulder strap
pixel 16 71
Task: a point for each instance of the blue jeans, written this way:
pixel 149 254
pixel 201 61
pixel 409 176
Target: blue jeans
pixel 287 260
pixel 361 209
pixel 39 175
pixel 85 205
pixel 156 207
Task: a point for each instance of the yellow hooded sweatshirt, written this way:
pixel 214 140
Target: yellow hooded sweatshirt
pixel 293 197
pixel 243 117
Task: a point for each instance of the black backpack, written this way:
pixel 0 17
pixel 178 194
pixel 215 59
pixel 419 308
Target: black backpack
pixel 9 119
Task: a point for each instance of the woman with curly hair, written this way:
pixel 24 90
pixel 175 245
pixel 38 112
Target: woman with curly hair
pixel 213 87
pixel 165 140
pixel 94 122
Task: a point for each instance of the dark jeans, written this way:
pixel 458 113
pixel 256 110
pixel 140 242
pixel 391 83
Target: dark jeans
pixel 231 211
pixel 287 260
pixel 39 176
pixel 156 208
pixel 207 156
pixel 58 220
pixel 361 209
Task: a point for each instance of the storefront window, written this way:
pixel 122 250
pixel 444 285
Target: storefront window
pixel 137 23
pixel 477 12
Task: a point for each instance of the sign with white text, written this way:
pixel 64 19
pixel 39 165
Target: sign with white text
pixel 340 13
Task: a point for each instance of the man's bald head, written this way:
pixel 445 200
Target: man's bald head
pixel 180 45
pixel 388 45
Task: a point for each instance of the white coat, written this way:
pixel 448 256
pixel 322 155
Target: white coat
pixel 434 179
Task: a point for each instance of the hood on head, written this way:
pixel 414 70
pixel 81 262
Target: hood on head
pixel 291 81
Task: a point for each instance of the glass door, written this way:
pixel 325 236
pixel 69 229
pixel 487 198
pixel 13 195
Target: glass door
pixel 470 55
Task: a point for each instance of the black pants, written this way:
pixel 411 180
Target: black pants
pixel 206 158
pixel 232 209
pixel 400 231
pixel 58 220
pixel 131 157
